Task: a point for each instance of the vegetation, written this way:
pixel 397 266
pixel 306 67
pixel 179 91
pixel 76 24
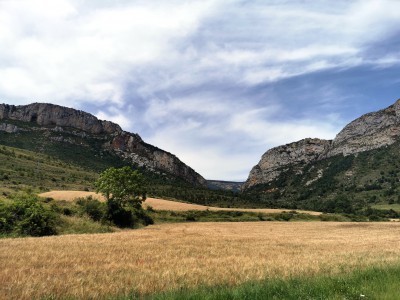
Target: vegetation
pixel 360 198
pixel 227 216
pixel 172 257
pixel 22 170
pixel 124 190
pixel 26 215
pixel 366 184
pixel 373 283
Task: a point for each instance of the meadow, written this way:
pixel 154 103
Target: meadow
pixel 172 257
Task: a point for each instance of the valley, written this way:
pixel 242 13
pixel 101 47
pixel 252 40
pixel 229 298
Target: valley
pixel 303 213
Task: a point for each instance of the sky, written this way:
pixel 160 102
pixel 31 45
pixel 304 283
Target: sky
pixel 215 82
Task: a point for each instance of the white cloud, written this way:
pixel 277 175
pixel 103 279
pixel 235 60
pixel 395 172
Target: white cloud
pixel 116 116
pixel 234 138
pixel 62 51
pixel 185 72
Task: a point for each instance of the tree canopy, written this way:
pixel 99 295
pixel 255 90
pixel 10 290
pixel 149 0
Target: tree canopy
pixel 124 185
pixel 125 191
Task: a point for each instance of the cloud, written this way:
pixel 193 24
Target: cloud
pixel 215 82
pixel 226 139
pixel 67 52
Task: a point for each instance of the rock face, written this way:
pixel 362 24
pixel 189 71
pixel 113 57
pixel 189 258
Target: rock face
pixel 130 146
pixel 274 161
pixel 9 128
pixel 370 131
pixel 45 114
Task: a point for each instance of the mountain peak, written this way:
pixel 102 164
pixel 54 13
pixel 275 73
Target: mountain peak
pixel 370 131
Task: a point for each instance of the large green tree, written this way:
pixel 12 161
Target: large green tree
pixel 125 191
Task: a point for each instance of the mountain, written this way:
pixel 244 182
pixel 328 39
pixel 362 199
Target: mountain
pixel 358 172
pixel 224 185
pixel 370 131
pixel 72 134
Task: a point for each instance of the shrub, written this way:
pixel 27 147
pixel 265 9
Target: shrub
pixel 25 215
pixel 92 207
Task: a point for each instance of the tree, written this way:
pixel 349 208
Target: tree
pixel 124 190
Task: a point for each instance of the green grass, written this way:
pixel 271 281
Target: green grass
pixel 374 283
pixel 82 225
pixel 395 206
pixel 26 170
pixel 165 216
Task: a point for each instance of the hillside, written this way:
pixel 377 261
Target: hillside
pixel 356 172
pixel 78 137
pixel 68 170
pixel 370 131
pixel 21 169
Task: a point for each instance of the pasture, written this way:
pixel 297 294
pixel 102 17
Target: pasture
pixel 187 255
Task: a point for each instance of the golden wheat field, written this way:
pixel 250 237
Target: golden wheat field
pixel 170 256
pixel 161 204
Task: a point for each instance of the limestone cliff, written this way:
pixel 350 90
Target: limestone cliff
pixel 370 131
pixel 45 114
pixel 55 120
pixel 132 147
pixel 274 161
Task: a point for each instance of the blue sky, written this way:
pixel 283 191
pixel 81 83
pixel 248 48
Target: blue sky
pixel 215 82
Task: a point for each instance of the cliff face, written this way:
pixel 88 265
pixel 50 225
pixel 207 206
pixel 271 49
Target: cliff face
pixel 54 118
pixel 132 147
pixel 370 131
pixel 274 161
pixel 48 115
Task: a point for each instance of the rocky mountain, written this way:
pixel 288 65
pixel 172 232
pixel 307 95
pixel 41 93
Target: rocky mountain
pixel 224 185
pixel 42 126
pixel 370 131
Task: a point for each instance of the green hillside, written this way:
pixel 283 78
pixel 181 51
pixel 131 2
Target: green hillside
pixel 23 169
pixel 341 184
pixel 367 183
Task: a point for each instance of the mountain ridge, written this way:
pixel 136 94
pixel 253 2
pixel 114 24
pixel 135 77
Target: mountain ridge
pixel 61 124
pixel 370 131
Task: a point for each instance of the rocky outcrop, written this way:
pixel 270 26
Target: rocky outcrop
pixel 274 161
pixel 9 128
pixel 60 120
pixel 132 147
pixel 370 131
pixel 44 114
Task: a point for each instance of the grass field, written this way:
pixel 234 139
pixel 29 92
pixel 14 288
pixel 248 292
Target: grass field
pixel 395 206
pixel 187 255
pixel 161 204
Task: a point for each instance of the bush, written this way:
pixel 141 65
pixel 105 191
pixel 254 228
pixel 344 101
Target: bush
pixel 92 207
pixel 25 215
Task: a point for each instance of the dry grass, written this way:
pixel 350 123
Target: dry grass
pixel 170 256
pixel 160 204
pixel 70 195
